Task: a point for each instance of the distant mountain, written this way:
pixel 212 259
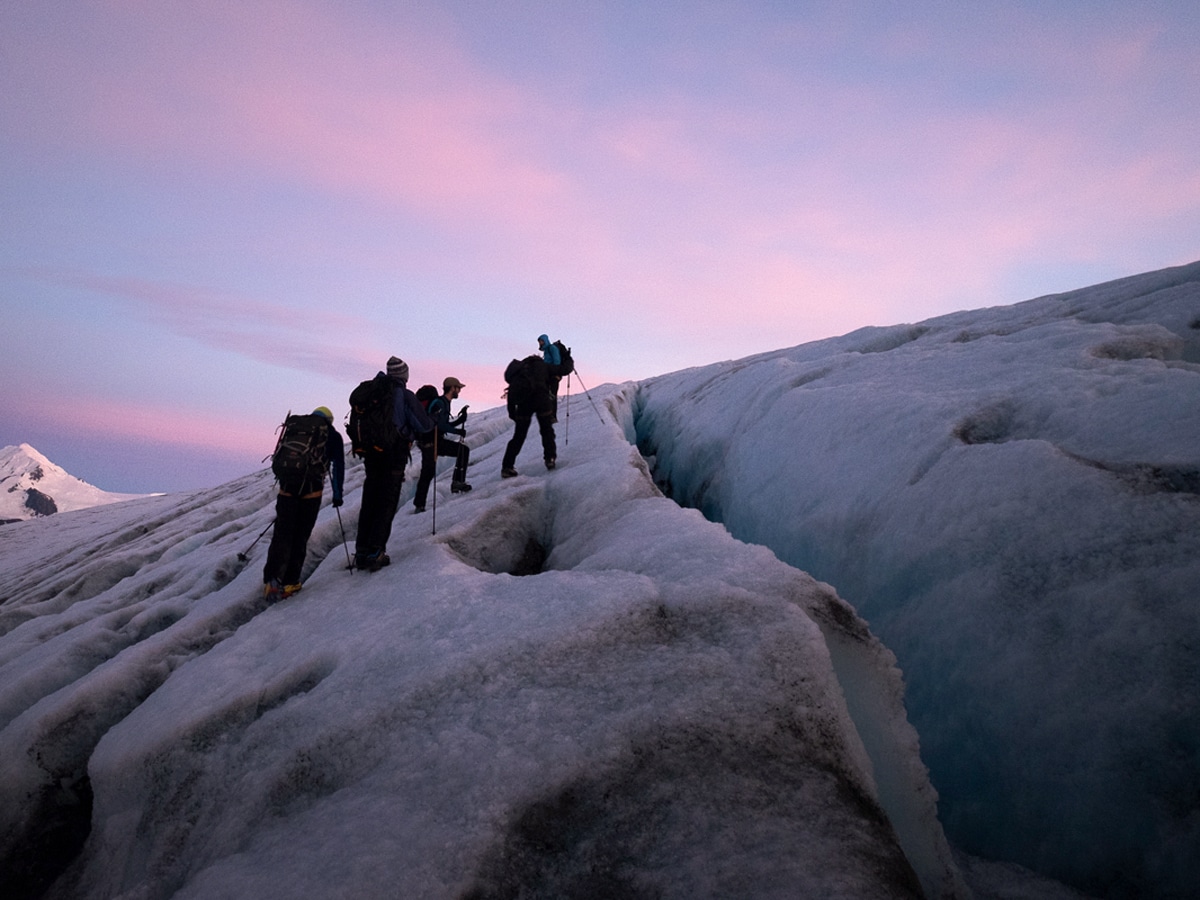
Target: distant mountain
pixel 32 486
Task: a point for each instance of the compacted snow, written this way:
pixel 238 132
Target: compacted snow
pixel 574 688
pixel 1010 497
pixel 567 685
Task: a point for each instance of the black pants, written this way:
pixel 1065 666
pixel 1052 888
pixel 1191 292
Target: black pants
pixel 294 521
pixel 445 447
pixel 380 500
pixel 545 426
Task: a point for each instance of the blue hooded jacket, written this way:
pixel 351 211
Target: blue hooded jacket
pixel 549 352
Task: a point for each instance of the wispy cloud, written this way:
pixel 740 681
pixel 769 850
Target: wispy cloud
pixel 311 340
pixel 362 179
pixel 655 199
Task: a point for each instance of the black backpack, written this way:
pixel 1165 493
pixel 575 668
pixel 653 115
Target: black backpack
pixel 372 428
pixel 522 377
pixel 299 459
pixel 566 364
pixel 427 393
pixel 526 383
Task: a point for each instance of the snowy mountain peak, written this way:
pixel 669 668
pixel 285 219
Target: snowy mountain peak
pixel 32 486
pixel 23 459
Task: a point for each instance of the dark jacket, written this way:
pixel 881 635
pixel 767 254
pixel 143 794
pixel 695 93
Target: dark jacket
pixel 439 411
pixel 408 414
pixel 335 453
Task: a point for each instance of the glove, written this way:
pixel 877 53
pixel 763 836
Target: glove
pixel 337 501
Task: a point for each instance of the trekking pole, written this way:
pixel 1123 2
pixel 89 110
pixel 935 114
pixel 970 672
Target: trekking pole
pixel 567 427
pixel 244 557
pixel 590 400
pixel 435 461
pixel 349 561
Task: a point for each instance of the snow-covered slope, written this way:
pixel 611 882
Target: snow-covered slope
pixel 31 485
pixel 1010 497
pixel 574 688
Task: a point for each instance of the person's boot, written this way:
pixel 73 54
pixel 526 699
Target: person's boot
pixel 459 487
pixel 376 561
pixel 508 472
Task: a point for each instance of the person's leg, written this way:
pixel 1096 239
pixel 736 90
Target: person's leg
pixel 515 443
pixel 428 469
pixel 281 539
pixel 462 459
pixel 393 484
pixel 305 518
pixel 549 446
pixel 372 507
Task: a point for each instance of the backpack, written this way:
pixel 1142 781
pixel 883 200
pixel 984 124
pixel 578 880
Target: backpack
pixel 299 459
pixel 427 393
pixel 521 376
pixel 372 428
pixel 435 409
pixel 566 363
pixel 526 381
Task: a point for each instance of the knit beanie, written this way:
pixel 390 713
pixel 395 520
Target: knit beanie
pixel 398 368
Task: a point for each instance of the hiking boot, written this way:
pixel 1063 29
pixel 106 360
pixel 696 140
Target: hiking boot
pixel 550 463
pixel 418 509
pixel 273 591
pixel 508 472
pixel 459 487
pixel 289 589
pixel 377 561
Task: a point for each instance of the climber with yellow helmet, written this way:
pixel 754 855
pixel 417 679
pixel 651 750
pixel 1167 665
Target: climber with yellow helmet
pixel 308 447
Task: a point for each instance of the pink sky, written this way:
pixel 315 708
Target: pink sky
pixel 215 212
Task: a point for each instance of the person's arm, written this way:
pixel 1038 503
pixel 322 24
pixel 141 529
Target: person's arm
pixel 418 420
pixel 335 450
pixel 452 426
